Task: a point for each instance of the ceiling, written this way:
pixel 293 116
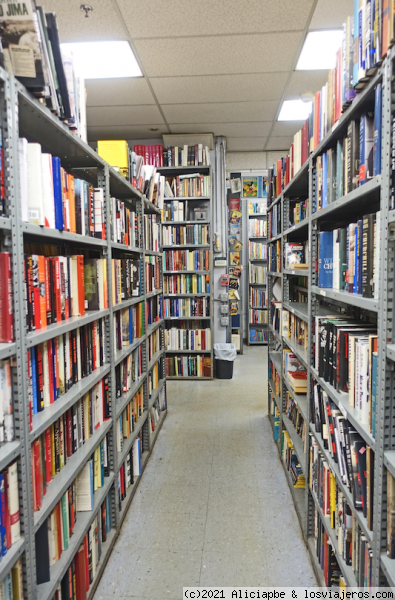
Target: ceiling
pixel 220 66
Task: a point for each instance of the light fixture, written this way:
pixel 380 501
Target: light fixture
pixel 87 9
pixel 319 50
pixel 294 110
pixel 153 129
pixel 103 60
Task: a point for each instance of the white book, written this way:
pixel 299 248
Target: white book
pixel 13 502
pixel 136 458
pixel 85 488
pixel 34 183
pixel 376 263
pixel 48 192
pixel 23 178
pixel 208 163
pixel 336 260
pixel 98 210
pixel 185 156
pixel 356 378
pixel 364 384
pixel 74 286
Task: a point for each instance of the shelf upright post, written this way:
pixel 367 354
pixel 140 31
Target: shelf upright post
pixel 144 344
pixel 385 416
pixel 103 181
pixel 10 124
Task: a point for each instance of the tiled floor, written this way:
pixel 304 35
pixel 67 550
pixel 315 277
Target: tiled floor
pixel 213 506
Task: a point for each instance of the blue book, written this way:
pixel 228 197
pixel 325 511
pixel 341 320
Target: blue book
pixel 57 192
pixel 378 94
pixel 324 180
pixel 3 532
pixel 356 28
pixel 339 169
pixel 260 186
pixel 34 378
pixel 276 422
pixel 374 392
pixel 325 260
pixel 362 125
pixel 130 324
pixel 359 258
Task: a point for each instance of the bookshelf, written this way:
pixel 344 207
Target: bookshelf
pixel 257 272
pixel 22 115
pixel 235 262
pixel 187 290
pixel 300 293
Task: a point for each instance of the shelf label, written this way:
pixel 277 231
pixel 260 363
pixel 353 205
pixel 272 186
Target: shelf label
pixel 323 293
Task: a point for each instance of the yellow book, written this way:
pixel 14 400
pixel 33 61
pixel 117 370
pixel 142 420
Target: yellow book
pixel 96 468
pixel 115 152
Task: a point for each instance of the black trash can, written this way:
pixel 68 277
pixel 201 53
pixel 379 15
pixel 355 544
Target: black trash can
pixel 225 355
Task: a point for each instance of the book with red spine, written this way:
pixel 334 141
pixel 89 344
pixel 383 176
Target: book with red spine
pixel 48 455
pixel 37 475
pixel 80 573
pixel 86 559
pixel 6 306
pixel 81 284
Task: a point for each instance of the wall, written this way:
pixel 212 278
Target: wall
pixel 242 161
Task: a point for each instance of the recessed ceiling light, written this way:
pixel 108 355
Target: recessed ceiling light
pixel 153 129
pixel 294 110
pixel 319 50
pixel 103 60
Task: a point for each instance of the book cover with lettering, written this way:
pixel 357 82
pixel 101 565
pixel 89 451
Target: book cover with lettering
pixel 325 260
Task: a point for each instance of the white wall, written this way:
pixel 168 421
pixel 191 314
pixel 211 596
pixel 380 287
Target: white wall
pixel 242 161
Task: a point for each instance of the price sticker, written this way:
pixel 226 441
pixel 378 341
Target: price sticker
pixel 323 293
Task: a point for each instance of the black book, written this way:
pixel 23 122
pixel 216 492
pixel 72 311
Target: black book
pixel 67 585
pixel 42 554
pixel 357 491
pixel 165 163
pixel 53 35
pixel 106 398
pixel 360 451
pixel 367 255
pixel 91 284
pixel 101 340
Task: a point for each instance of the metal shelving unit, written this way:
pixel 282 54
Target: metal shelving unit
pixel 373 196
pixel 22 115
pixel 261 262
pixel 171 321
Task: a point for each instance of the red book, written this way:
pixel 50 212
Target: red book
pixel 6 307
pixel 103 522
pixel 48 455
pixel 58 302
pixel 48 291
pixel 139 149
pixel 7 511
pixel 40 382
pixel 80 573
pixel 385 28
pixel 326 549
pixel 86 559
pixel 69 434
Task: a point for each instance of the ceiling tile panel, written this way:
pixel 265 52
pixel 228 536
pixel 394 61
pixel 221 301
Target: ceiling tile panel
pixel 280 143
pixel 238 161
pixel 102 24
pixel 127 132
pixel 219 88
pixel 218 55
pixel 246 144
pixel 110 92
pixel 123 115
pixel 254 129
pixel 214 113
pixel 286 128
pixel 211 17
pixel 305 81
pixel 331 14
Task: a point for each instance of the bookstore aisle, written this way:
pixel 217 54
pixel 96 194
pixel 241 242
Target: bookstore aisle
pixel 213 506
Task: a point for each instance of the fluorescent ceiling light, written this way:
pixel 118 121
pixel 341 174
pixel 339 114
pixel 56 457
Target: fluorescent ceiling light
pixel 103 60
pixel 294 110
pixel 319 50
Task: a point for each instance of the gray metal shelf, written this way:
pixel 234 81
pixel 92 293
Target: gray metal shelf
pixel 7 350
pixel 128 442
pixel 5 223
pixel 299 309
pixel 187 351
pixel 153 252
pixel 13 553
pixel 352 299
pixel 155 359
pixel 127 303
pixel 199 295
pixel 9 452
pixel 123 401
pixel 152 294
pixel 186 246
pixel 62 481
pixel 125 248
pixel 185 222
pixel 304 224
pixel 370 190
pixel 272 389
pixel 391 351
pixel 119 355
pixel 155 394
pixel 296 272
pixel 187 318
pixel 197 272
pixel 47 333
pixel 62 236
pixel 388 566
pixel 300 399
pixel 154 326
pixel 276 358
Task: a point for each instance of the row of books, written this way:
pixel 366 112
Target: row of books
pixel 83 568
pixel 274 221
pixel 125 224
pixel 129 470
pixel 258 335
pixel 294 372
pixel 188 366
pixel 353 162
pixel 187 339
pixel 194 185
pixel 187 307
pixel 152 273
pixel 293 413
pixel 54 288
pixel 152 232
pixel 154 417
pixel 258 298
pixel 275 377
pixel 275 257
pixel 186 284
pixel 326 555
pixel 344 445
pixel 291 461
pixel 7 431
pixel 296 255
pixel 9 506
pixel 348 258
pixel 127 420
pixel 128 326
pixel 275 314
pixel 52 198
pixel 55 447
pixel 153 310
pixel 257 274
pixel 51 75
pixel 257 316
pixel 126 281
pixel 153 344
pixel 55 366
pixel 186 234
pixel 186 260
pixel 294 328
pixel 128 371
pixel 299 211
pixel 155 375
pixel 346 357
pixel 176 210
pixel 12 585
pixel 257 228
pixel 174 156
pixel 258 208
pixel 257 250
